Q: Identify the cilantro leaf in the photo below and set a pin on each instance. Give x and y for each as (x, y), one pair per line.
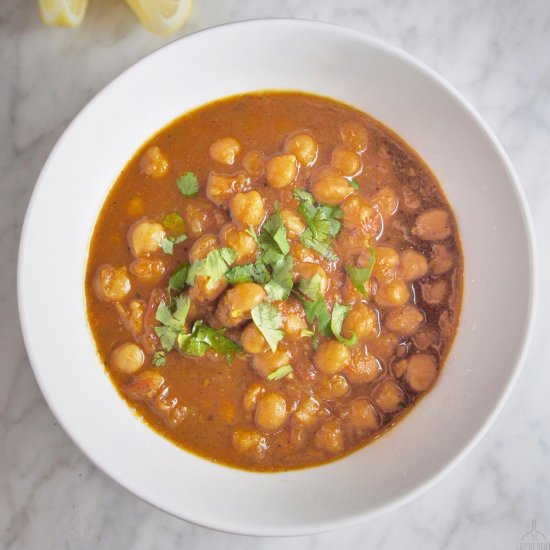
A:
(322, 221)
(354, 183)
(246, 273)
(306, 333)
(281, 283)
(273, 239)
(339, 312)
(188, 184)
(279, 373)
(360, 275)
(173, 221)
(172, 322)
(317, 311)
(269, 321)
(159, 358)
(178, 277)
(167, 244)
(311, 287)
(214, 266)
(202, 338)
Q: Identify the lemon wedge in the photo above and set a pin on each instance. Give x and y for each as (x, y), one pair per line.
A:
(162, 16)
(66, 13)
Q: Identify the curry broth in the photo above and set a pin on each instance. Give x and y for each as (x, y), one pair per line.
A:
(211, 389)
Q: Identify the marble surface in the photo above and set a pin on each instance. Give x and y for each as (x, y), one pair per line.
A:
(497, 53)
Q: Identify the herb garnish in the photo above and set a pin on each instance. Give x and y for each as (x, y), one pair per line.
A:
(172, 321)
(256, 272)
(168, 243)
(279, 373)
(159, 358)
(214, 266)
(202, 338)
(188, 184)
(269, 322)
(360, 275)
(339, 312)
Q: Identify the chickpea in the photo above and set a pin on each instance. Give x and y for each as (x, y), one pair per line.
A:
(363, 367)
(433, 225)
(395, 293)
(308, 412)
(294, 324)
(241, 241)
(386, 202)
(251, 396)
(145, 385)
(385, 264)
(332, 357)
(127, 358)
(237, 303)
(201, 216)
(435, 292)
(205, 290)
(269, 361)
(294, 224)
(389, 396)
(361, 415)
(145, 237)
(443, 260)
(331, 188)
(385, 346)
(358, 214)
(133, 316)
(148, 271)
(111, 284)
(224, 150)
(305, 271)
(153, 163)
(282, 170)
(254, 163)
(332, 387)
(353, 243)
(421, 371)
(405, 320)
(303, 147)
(346, 161)
(361, 320)
(355, 136)
(248, 439)
(330, 437)
(253, 340)
(247, 209)
(412, 265)
(202, 246)
(399, 368)
(271, 412)
(425, 338)
(220, 188)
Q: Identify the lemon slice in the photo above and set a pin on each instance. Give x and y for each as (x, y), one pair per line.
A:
(162, 16)
(66, 13)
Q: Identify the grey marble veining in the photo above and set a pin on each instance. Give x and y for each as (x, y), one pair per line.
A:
(497, 53)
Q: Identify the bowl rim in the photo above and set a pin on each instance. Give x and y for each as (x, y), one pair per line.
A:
(436, 79)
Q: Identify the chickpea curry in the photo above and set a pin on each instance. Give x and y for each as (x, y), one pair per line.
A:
(274, 280)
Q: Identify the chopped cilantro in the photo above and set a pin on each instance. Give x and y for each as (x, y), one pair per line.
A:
(317, 311)
(246, 273)
(178, 277)
(159, 358)
(311, 287)
(322, 221)
(315, 342)
(168, 243)
(360, 275)
(214, 266)
(279, 373)
(306, 333)
(273, 240)
(202, 338)
(171, 322)
(188, 184)
(173, 221)
(269, 321)
(281, 283)
(354, 183)
(339, 312)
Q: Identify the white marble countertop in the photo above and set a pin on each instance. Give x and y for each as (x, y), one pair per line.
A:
(497, 53)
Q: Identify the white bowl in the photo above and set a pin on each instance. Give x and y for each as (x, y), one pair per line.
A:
(400, 92)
